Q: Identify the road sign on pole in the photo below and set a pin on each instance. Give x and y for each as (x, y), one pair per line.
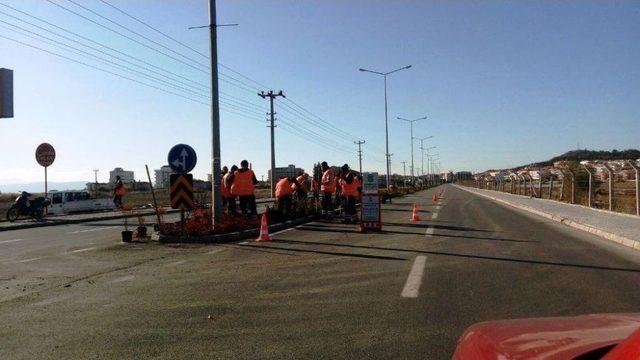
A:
(182, 158)
(45, 156)
(182, 191)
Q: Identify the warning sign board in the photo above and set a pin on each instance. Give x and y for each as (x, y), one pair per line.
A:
(182, 191)
(370, 183)
(370, 215)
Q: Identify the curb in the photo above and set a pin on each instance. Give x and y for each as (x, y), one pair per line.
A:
(230, 237)
(76, 221)
(635, 244)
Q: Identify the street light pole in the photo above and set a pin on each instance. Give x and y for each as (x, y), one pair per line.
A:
(411, 125)
(386, 117)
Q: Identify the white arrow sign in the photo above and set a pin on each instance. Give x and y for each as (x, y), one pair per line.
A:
(183, 154)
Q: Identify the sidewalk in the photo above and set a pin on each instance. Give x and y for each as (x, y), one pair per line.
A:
(621, 228)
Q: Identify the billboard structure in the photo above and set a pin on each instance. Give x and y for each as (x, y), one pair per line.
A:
(6, 93)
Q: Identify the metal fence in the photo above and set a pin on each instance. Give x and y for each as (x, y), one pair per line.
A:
(608, 185)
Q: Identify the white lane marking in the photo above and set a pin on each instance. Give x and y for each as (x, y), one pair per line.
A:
(83, 250)
(282, 231)
(10, 241)
(434, 215)
(52, 300)
(214, 251)
(438, 207)
(30, 260)
(244, 243)
(123, 279)
(91, 230)
(414, 280)
(429, 231)
(176, 263)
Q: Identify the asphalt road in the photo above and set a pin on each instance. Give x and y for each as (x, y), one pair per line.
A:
(323, 290)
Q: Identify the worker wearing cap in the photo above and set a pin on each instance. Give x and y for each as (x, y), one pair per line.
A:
(243, 185)
(327, 187)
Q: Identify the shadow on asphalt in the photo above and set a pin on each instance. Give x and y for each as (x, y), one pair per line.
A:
(365, 256)
(442, 227)
(352, 231)
(407, 210)
(480, 257)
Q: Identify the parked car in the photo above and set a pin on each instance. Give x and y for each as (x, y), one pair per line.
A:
(587, 337)
(65, 202)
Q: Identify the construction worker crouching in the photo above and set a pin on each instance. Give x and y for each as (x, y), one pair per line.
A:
(284, 194)
(327, 187)
(243, 185)
(349, 185)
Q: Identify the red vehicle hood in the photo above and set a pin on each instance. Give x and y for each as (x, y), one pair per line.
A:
(545, 338)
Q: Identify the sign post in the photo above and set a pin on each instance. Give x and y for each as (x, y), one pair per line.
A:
(45, 156)
(370, 208)
(182, 159)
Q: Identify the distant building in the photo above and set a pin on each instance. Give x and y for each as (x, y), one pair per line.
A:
(125, 176)
(162, 176)
(290, 170)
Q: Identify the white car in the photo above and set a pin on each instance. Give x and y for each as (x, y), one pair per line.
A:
(65, 202)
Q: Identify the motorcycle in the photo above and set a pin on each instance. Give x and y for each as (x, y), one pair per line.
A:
(23, 207)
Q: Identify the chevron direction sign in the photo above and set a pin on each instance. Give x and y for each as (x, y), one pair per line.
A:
(182, 191)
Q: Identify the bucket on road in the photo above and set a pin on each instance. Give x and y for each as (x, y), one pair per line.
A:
(127, 236)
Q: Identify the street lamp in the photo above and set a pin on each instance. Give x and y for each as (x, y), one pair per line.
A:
(422, 148)
(411, 123)
(386, 120)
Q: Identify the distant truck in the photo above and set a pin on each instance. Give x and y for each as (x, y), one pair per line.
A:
(66, 202)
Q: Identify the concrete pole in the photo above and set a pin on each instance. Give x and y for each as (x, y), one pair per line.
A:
(610, 171)
(635, 167)
(359, 143)
(216, 199)
(540, 187)
(550, 188)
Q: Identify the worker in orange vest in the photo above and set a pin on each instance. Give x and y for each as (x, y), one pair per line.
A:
(118, 192)
(303, 186)
(284, 193)
(229, 198)
(243, 184)
(349, 185)
(327, 187)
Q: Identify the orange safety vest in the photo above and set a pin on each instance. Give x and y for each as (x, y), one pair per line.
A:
(120, 191)
(242, 183)
(328, 181)
(283, 187)
(302, 182)
(349, 189)
(225, 191)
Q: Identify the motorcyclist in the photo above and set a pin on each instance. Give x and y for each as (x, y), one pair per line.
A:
(23, 200)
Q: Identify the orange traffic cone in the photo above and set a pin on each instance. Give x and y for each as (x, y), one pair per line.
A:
(435, 198)
(264, 230)
(415, 216)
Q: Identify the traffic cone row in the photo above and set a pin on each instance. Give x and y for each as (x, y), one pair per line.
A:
(264, 230)
(416, 215)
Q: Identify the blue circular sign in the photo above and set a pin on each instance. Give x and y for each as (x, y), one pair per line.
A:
(182, 158)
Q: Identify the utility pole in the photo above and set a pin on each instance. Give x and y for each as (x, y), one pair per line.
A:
(95, 173)
(411, 124)
(271, 95)
(359, 143)
(216, 199)
(404, 168)
(389, 167)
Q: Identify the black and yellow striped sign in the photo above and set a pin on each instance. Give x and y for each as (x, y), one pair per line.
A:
(182, 191)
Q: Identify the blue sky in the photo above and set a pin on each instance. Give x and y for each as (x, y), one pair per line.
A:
(503, 83)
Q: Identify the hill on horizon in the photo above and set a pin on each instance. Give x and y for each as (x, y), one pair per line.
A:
(580, 155)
